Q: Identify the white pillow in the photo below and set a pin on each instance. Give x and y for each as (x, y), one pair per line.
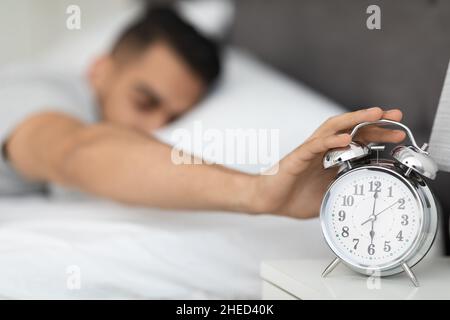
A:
(250, 96)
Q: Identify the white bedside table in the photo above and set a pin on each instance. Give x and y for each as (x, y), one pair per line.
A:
(301, 279)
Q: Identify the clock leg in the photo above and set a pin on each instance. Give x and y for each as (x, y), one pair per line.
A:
(410, 274)
(330, 267)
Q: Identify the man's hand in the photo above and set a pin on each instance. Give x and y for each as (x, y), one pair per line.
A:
(301, 181)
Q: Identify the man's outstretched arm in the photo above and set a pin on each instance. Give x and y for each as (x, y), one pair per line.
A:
(124, 165)
(120, 164)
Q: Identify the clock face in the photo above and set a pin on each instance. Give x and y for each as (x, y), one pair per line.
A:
(371, 218)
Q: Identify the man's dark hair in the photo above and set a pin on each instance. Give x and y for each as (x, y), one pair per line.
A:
(163, 23)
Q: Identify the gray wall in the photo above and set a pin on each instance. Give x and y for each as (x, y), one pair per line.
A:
(326, 45)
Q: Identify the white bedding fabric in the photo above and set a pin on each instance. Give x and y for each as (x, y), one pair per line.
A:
(141, 253)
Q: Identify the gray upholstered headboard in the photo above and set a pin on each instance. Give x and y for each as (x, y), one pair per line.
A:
(326, 45)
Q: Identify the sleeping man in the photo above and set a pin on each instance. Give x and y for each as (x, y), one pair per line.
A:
(94, 134)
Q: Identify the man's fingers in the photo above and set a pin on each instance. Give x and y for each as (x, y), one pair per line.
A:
(348, 120)
(326, 136)
(320, 145)
(299, 159)
(377, 134)
(393, 114)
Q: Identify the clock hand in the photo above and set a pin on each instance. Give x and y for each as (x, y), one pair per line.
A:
(387, 208)
(368, 220)
(375, 197)
(372, 232)
(373, 217)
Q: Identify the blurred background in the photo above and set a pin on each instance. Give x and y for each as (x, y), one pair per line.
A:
(30, 28)
(324, 44)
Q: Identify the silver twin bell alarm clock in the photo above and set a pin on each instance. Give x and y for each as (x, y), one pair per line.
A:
(379, 216)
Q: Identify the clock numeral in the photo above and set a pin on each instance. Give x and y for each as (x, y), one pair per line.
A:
(345, 232)
(390, 195)
(348, 201)
(387, 247)
(371, 249)
(359, 190)
(341, 215)
(356, 241)
(399, 236)
(404, 220)
(401, 204)
(375, 186)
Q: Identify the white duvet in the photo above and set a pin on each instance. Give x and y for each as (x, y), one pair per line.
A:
(91, 250)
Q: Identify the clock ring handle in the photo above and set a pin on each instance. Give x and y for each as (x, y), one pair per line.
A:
(385, 122)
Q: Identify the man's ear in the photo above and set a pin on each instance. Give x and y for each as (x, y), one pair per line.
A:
(100, 72)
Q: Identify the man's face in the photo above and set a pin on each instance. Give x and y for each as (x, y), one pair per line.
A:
(148, 91)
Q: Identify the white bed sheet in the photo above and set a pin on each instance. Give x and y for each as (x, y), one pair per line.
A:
(122, 252)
